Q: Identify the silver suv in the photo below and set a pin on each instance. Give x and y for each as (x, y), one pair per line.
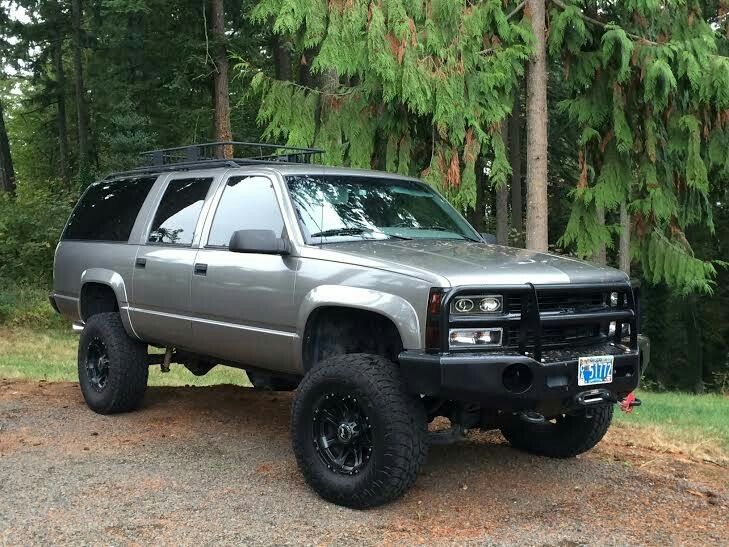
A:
(364, 291)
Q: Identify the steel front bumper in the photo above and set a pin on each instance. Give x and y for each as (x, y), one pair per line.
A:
(489, 378)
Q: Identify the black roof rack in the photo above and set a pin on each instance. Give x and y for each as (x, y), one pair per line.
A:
(211, 154)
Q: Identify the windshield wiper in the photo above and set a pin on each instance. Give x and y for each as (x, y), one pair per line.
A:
(355, 232)
(341, 232)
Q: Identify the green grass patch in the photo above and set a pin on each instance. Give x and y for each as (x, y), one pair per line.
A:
(694, 419)
(30, 354)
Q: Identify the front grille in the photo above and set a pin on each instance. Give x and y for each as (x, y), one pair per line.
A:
(562, 302)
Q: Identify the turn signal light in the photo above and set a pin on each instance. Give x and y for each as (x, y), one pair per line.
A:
(432, 321)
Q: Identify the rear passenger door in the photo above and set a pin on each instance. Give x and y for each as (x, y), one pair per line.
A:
(243, 302)
(163, 267)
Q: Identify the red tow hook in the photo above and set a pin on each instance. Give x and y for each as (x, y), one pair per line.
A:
(630, 402)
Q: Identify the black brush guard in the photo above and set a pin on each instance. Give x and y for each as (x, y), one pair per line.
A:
(531, 321)
(485, 375)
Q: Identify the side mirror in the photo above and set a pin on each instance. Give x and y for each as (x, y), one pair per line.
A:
(259, 242)
(489, 238)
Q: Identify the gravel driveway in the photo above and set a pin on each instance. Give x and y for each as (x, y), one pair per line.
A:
(211, 465)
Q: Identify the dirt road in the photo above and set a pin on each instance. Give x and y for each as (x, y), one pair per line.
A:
(211, 465)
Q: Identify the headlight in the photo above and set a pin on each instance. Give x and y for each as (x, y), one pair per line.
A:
(460, 338)
(490, 304)
(464, 305)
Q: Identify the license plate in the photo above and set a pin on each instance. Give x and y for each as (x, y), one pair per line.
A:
(595, 370)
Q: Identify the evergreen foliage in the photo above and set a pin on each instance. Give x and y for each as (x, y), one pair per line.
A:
(649, 91)
(439, 75)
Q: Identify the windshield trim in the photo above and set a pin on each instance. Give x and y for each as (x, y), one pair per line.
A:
(379, 178)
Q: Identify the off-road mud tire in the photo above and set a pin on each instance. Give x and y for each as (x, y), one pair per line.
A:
(128, 369)
(398, 430)
(565, 438)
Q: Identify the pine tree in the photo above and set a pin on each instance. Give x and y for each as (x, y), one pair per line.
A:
(650, 94)
(428, 83)
(643, 81)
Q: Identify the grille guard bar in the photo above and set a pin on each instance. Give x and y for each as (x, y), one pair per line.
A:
(531, 320)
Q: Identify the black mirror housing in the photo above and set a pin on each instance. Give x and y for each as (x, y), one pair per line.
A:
(258, 242)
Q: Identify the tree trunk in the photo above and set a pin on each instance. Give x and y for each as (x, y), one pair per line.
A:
(281, 58)
(61, 102)
(221, 99)
(480, 208)
(517, 220)
(305, 76)
(82, 110)
(7, 171)
(695, 341)
(624, 248)
(600, 254)
(502, 201)
(537, 236)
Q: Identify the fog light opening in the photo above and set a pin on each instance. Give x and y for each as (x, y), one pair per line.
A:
(517, 378)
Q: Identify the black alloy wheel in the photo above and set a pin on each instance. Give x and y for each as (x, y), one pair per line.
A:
(342, 433)
(97, 364)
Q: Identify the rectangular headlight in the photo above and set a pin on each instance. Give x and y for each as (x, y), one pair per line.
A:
(474, 338)
(477, 304)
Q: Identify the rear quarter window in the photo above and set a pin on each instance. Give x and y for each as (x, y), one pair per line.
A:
(107, 210)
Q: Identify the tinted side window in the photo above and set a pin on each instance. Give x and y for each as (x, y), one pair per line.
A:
(107, 210)
(248, 203)
(177, 214)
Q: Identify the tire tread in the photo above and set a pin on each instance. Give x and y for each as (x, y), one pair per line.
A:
(406, 431)
(129, 369)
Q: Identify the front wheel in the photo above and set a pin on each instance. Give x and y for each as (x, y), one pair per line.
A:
(358, 436)
(564, 437)
(112, 367)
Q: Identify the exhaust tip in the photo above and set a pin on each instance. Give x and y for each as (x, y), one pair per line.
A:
(517, 378)
(77, 327)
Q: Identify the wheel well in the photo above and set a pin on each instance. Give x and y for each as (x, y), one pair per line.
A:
(337, 331)
(97, 298)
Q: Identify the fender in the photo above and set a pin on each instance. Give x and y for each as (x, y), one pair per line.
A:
(395, 308)
(115, 281)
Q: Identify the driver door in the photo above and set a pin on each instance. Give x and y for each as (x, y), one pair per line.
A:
(243, 302)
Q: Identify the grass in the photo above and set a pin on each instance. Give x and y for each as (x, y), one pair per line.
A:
(689, 422)
(693, 420)
(50, 355)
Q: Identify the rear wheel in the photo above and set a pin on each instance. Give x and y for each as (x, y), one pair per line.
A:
(358, 436)
(112, 367)
(564, 437)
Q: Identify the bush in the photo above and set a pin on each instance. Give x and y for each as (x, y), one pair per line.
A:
(30, 225)
(22, 305)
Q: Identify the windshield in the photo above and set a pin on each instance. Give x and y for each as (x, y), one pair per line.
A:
(336, 208)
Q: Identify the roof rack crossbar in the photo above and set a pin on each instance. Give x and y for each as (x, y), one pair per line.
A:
(209, 155)
(214, 151)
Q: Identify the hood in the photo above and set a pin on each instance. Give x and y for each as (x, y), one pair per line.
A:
(471, 263)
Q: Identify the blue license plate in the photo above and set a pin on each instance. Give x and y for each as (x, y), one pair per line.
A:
(595, 370)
